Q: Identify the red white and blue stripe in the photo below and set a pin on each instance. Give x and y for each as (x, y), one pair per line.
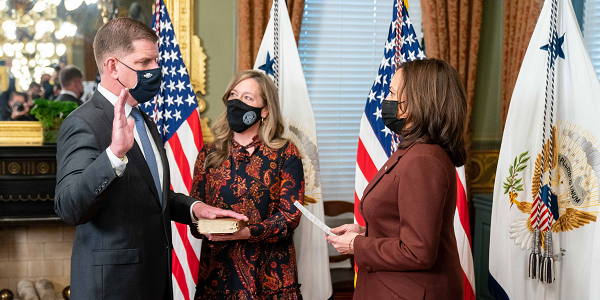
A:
(175, 112)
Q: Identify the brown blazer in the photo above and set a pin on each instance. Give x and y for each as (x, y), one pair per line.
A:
(409, 251)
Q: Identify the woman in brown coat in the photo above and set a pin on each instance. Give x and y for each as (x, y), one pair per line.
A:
(407, 249)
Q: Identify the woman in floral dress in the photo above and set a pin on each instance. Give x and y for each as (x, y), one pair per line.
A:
(250, 169)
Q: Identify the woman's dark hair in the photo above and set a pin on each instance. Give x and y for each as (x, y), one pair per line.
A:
(436, 104)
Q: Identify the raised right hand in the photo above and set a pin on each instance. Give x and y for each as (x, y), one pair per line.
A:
(122, 131)
(354, 228)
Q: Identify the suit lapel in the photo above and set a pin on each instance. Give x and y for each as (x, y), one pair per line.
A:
(108, 110)
(163, 156)
(135, 153)
(384, 169)
(389, 164)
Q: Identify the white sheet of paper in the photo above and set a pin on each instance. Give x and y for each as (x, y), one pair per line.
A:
(313, 219)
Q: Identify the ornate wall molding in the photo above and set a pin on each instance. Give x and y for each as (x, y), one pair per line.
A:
(483, 170)
(27, 183)
(27, 167)
(182, 16)
(37, 197)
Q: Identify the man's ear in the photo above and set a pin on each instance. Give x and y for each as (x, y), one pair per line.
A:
(110, 67)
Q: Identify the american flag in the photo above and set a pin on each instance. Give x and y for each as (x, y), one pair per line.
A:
(376, 143)
(175, 112)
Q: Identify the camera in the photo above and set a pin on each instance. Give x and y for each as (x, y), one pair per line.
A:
(18, 106)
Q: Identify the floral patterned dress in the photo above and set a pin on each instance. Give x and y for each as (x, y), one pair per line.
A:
(263, 186)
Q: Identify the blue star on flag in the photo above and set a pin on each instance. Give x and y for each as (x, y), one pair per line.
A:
(556, 43)
(268, 66)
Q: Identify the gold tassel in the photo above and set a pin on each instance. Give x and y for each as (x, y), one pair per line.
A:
(309, 200)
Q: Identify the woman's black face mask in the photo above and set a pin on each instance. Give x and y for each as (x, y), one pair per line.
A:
(241, 116)
(389, 113)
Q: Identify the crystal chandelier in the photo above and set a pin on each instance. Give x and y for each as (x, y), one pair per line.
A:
(33, 36)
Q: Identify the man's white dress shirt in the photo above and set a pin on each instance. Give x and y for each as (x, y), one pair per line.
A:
(117, 164)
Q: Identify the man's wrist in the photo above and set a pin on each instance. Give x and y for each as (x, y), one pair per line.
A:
(118, 164)
(195, 218)
(120, 155)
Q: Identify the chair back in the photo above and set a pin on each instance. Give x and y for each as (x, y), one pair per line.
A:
(336, 208)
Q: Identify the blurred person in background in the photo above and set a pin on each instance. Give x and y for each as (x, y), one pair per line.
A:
(56, 89)
(47, 86)
(5, 95)
(34, 92)
(51, 82)
(71, 81)
(19, 109)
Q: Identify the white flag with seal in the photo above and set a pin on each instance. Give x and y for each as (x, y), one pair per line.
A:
(544, 240)
(311, 247)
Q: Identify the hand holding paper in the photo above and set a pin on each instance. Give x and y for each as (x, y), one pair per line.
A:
(344, 244)
(349, 228)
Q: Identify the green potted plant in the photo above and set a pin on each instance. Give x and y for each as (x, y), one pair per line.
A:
(51, 114)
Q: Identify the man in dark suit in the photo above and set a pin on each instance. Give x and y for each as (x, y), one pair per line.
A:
(113, 177)
(49, 82)
(5, 108)
(71, 81)
(47, 86)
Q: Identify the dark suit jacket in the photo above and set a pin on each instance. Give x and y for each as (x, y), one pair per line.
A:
(122, 247)
(67, 97)
(48, 90)
(409, 251)
(5, 110)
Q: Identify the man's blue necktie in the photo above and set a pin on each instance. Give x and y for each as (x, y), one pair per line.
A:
(148, 152)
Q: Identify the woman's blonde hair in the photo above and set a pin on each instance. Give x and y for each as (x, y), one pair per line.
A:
(271, 129)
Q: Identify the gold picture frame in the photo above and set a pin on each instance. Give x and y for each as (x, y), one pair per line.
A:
(182, 16)
(21, 133)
